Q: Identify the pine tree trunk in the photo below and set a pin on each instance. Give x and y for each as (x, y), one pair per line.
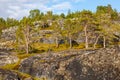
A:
(86, 37)
(70, 43)
(57, 44)
(96, 41)
(26, 46)
(27, 39)
(104, 41)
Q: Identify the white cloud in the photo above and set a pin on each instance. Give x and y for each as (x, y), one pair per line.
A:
(62, 6)
(78, 1)
(19, 8)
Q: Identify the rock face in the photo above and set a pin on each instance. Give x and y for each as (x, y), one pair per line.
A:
(8, 75)
(12, 75)
(7, 58)
(102, 64)
(8, 38)
(9, 34)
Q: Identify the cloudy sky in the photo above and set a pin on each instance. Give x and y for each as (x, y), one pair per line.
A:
(19, 8)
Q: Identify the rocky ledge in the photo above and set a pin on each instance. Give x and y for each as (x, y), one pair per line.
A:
(12, 75)
(101, 64)
(7, 58)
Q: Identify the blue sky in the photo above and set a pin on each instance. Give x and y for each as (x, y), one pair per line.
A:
(19, 8)
(91, 5)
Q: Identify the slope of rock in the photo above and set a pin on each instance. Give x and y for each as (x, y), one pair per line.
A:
(7, 58)
(8, 75)
(13, 75)
(102, 64)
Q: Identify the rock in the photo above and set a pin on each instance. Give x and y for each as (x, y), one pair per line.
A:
(102, 64)
(12, 75)
(8, 75)
(47, 40)
(28, 78)
(7, 58)
(9, 33)
(46, 31)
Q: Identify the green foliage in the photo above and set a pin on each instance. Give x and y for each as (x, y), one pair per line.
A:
(69, 14)
(10, 22)
(2, 24)
(35, 15)
(106, 17)
(62, 15)
(104, 22)
(86, 17)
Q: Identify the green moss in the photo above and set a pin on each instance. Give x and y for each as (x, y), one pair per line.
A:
(13, 66)
(41, 47)
(42, 61)
(98, 46)
(60, 48)
(43, 78)
(80, 46)
(22, 75)
(22, 56)
(48, 35)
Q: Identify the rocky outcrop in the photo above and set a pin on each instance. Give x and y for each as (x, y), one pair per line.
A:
(7, 58)
(102, 64)
(8, 75)
(8, 38)
(12, 75)
(9, 33)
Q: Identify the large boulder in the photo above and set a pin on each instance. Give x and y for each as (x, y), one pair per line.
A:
(102, 64)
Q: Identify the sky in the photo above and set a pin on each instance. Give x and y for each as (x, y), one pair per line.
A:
(19, 8)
